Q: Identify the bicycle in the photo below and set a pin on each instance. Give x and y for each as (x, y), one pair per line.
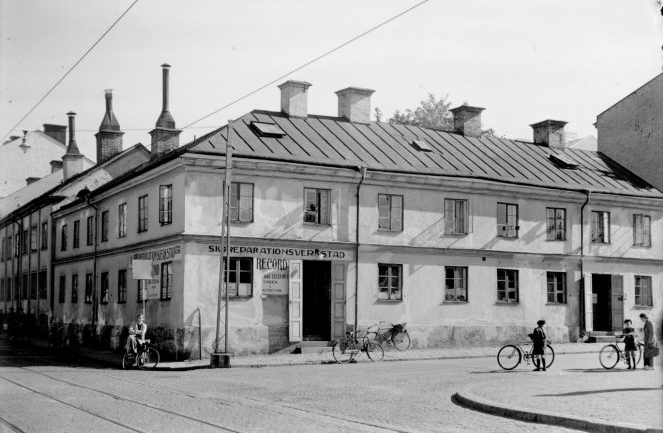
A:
(146, 358)
(610, 354)
(346, 350)
(393, 335)
(511, 355)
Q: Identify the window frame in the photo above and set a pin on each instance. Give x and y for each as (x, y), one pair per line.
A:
(63, 237)
(503, 230)
(74, 288)
(143, 213)
(166, 269)
(389, 288)
(122, 220)
(62, 289)
(166, 205)
(455, 297)
(315, 216)
(76, 243)
(507, 289)
(390, 213)
(105, 220)
(44, 235)
(558, 286)
(104, 291)
(89, 285)
(638, 288)
(236, 202)
(553, 235)
(452, 216)
(34, 230)
(121, 286)
(236, 269)
(643, 239)
(89, 233)
(598, 228)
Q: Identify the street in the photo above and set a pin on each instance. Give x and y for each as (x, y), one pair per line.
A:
(42, 393)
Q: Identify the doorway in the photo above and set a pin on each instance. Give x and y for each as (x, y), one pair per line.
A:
(608, 302)
(316, 314)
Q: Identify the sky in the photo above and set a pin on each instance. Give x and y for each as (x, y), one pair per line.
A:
(523, 60)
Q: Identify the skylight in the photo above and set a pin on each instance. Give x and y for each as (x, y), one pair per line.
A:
(421, 145)
(267, 129)
(563, 161)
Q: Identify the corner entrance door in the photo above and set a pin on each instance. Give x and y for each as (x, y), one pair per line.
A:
(316, 284)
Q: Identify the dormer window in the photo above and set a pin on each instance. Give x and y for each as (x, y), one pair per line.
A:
(563, 161)
(267, 129)
(421, 145)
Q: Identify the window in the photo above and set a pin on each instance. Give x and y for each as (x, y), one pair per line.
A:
(89, 282)
(90, 231)
(33, 285)
(74, 289)
(601, 227)
(121, 286)
(240, 278)
(142, 213)
(642, 230)
(77, 234)
(9, 289)
(165, 204)
(2, 249)
(455, 283)
(44, 235)
(26, 242)
(122, 220)
(507, 285)
(63, 238)
(2, 290)
(104, 288)
(241, 202)
(33, 238)
(17, 245)
(104, 226)
(389, 282)
(267, 129)
(24, 286)
(43, 284)
(62, 289)
(555, 224)
(556, 287)
(390, 212)
(166, 280)
(507, 220)
(455, 217)
(643, 295)
(316, 206)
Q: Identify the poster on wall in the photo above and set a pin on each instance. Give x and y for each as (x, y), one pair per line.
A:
(275, 278)
(156, 257)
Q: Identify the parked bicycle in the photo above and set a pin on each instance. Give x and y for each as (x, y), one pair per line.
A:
(347, 349)
(610, 354)
(146, 358)
(389, 334)
(511, 355)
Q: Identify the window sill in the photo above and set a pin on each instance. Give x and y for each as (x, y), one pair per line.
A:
(555, 240)
(643, 307)
(456, 235)
(507, 237)
(122, 302)
(389, 230)
(455, 302)
(644, 247)
(515, 304)
(390, 301)
(239, 298)
(559, 304)
(315, 224)
(165, 223)
(164, 299)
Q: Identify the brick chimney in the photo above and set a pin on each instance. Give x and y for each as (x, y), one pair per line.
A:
(165, 137)
(354, 104)
(467, 120)
(56, 165)
(550, 133)
(72, 161)
(57, 132)
(109, 137)
(294, 98)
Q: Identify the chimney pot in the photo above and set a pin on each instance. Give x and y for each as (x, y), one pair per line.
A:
(354, 104)
(294, 98)
(549, 133)
(165, 137)
(56, 165)
(467, 120)
(109, 137)
(73, 162)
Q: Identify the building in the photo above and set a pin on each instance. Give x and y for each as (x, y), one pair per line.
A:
(340, 222)
(631, 131)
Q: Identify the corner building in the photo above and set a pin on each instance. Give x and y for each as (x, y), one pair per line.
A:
(339, 222)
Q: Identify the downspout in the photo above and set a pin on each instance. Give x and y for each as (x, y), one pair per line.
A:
(95, 313)
(581, 302)
(362, 171)
(38, 246)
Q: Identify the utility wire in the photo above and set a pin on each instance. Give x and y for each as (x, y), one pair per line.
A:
(309, 62)
(70, 69)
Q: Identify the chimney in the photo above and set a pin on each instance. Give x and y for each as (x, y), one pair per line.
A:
(467, 120)
(56, 132)
(549, 133)
(294, 99)
(354, 104)
(109, 137)
(30, 180)
(72, 161)
(56, 165)
(165, 137)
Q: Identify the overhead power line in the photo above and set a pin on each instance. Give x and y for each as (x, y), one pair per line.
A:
(372, 29)
(70, 69)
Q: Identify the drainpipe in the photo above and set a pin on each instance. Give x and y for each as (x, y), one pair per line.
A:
(95, 313)
(583, 325)
(362, 171)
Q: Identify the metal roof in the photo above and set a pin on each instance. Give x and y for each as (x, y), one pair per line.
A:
(387, 147)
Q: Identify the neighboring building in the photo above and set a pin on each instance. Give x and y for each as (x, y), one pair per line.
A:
(584, 143)
(26, 236)
(340, 222)
(631, 132)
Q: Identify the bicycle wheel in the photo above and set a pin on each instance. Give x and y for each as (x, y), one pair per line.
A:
(148, 358)
(374, 351)
(609, 356)
(374, 336)
(508, 357)
(127, 361)
(402, 340)
(343, 352)
(549, 354)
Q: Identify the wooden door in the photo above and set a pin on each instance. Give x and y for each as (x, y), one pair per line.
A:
(295, 308)
(589, 303)
(617, 293)
(338, 301)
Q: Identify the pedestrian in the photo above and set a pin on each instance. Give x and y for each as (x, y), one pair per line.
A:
(630, 348)
(651, 346)
(538, 337)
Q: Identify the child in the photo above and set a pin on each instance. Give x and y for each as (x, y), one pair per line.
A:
(630, 348)
(539, 340)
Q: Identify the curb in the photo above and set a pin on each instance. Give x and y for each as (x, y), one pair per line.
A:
(477, 403)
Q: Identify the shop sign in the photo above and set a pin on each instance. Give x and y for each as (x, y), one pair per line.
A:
(275, 283)
(286, 253)
(157, 257)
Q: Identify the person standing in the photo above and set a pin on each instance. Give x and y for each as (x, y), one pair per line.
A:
(651, 347)
(539, 341)
(630, 348)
